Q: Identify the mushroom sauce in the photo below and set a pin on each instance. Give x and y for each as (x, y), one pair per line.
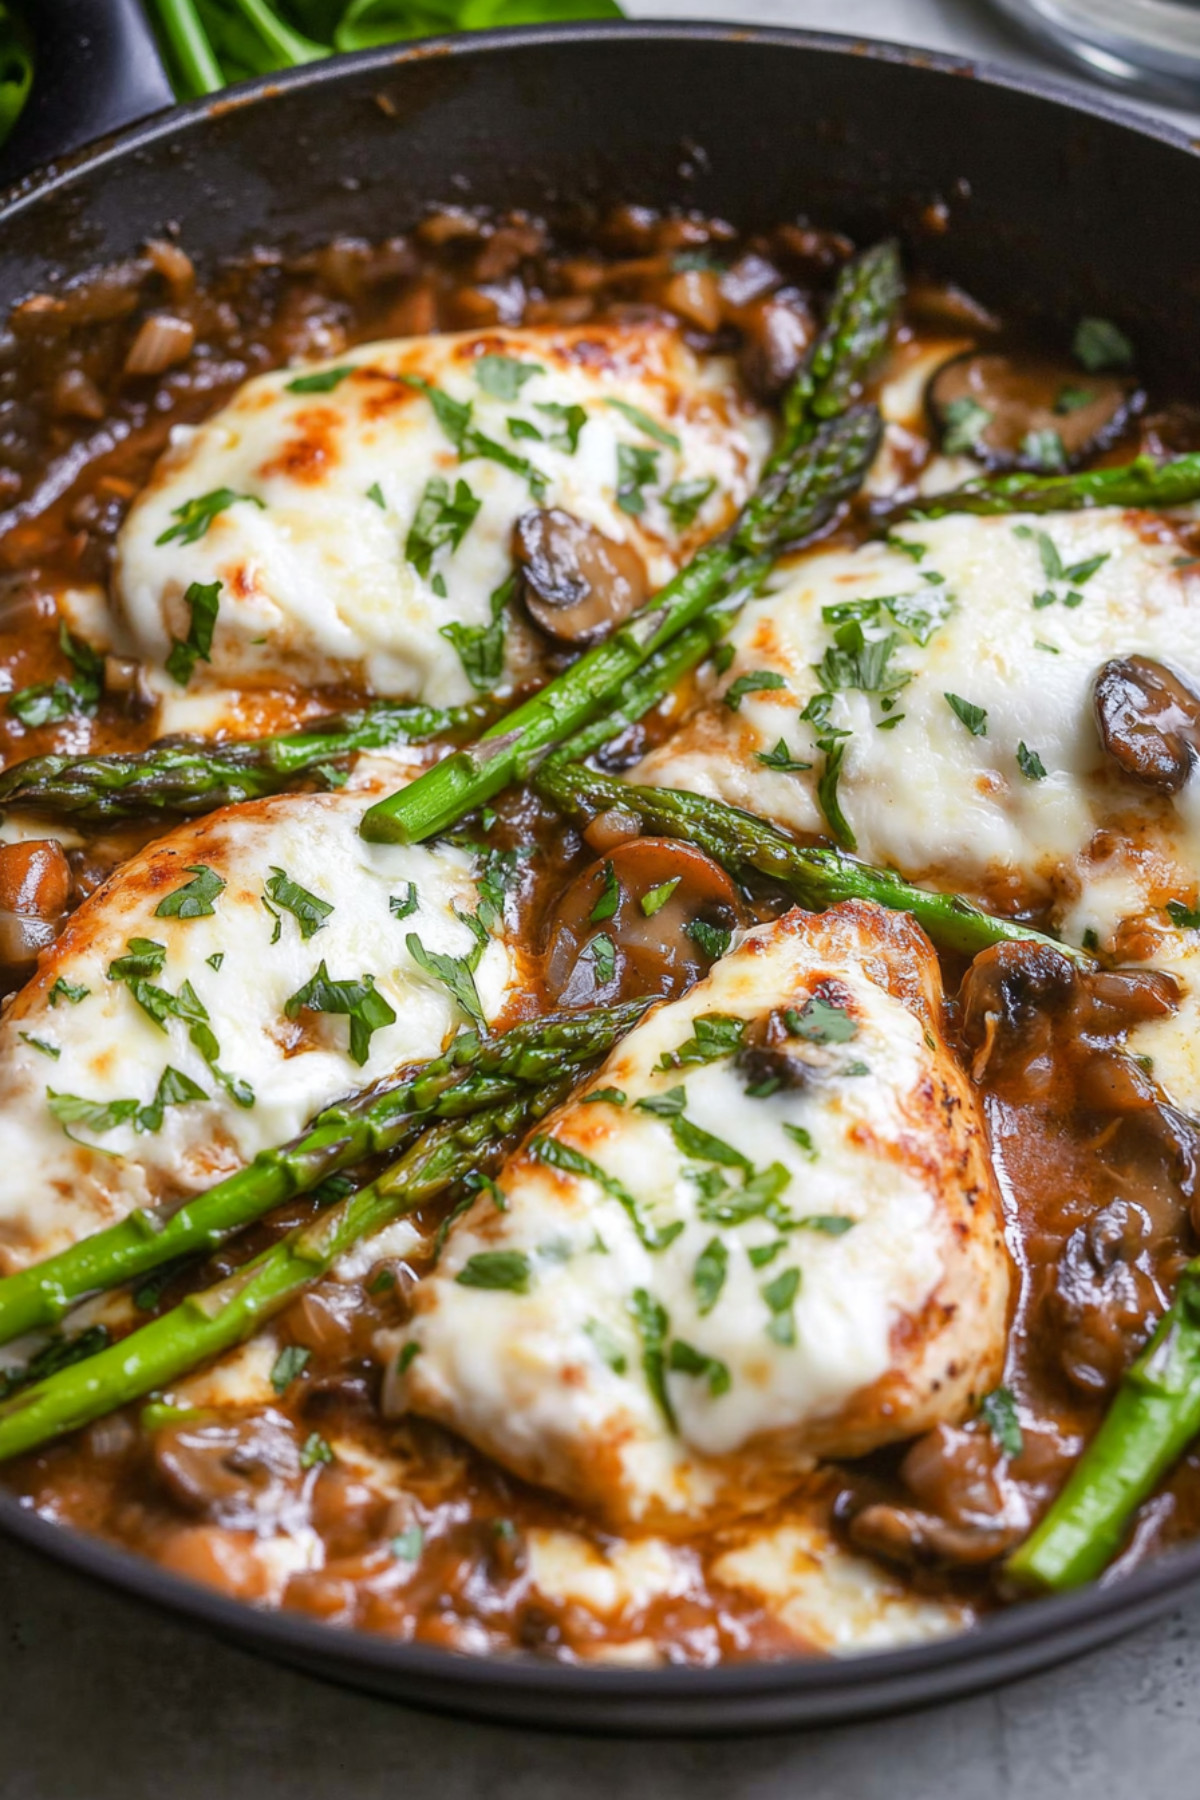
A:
(282, 1477)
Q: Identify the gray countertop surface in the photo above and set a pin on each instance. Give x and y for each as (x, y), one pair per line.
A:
(101, 1699)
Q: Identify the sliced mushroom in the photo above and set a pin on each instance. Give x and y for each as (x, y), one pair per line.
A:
(1149, 721)
(650, 918)
(916, 1539)
(1028, 412)
(577, 585)
(243, 1474)
(35, 892)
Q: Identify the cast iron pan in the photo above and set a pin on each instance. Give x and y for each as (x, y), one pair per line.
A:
(1040, 203)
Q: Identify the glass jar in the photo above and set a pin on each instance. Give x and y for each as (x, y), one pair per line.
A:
(1151, 46)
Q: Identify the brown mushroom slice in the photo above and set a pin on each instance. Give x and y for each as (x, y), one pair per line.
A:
(576, 584)
(1027, 411)
(35, 892)
(651, 918)
(1149, 721)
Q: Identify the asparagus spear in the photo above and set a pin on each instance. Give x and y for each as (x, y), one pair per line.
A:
(788, 505)
(190, 776)
(207, 1323)
(744, 844)
(861, 315)
(471, 1075)
(1154, 1417)
(1142, 482)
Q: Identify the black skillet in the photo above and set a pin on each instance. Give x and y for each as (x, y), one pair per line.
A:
(1042, 204)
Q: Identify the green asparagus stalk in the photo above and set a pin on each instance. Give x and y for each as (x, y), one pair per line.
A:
(190, 777)
(1153, 1419)
(862, 312)
(471, 1075)
(1141, 483)
(208, 1323)
(788, 505)
(745, 845)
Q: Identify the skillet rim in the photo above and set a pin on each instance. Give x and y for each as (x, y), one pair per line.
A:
(1017, 1641)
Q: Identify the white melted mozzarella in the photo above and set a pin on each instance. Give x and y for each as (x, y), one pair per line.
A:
(77, 1032)
(836, 1321)
(316, 585)
(938, 798)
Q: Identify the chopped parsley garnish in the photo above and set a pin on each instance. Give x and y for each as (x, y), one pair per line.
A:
(194, 900)
(827, 792)
(456, 973)
(610, 897)
(59, 1353)
(1073, 399)
(693, 1140)
(645, 423)
(174, 1089)
(708, 1275)
(683, 500)
(800, 1135)
(359, 1001)
(657, 897)
(569, 1161)
(907, 547)
(508, 1270)
(782, 759)
(36, 1043)
(831, 1224)
(568, 422)
(611, 1096)
(780, 1296)
(650, 1317)
(454, 417)
(287, 1366)
(93, 1115)
(196, 515)
(498, 878)
(820, 1022)
(441, 518)
(142, 958)
(762, 1254)
(1186, 917)
(711, 940)
(67, 990)
(375, 493)
(1099, 344)
(714, 1035)
(321, 381)
(1030, 763)
(407, 1545)
(757, 681)
(315, 1450)
(636, 470)
(684, 1359)
(407, 1357)
(203, 600)
(481, 647)
(503, 376)
(758, 1197)
(603, 953)
(854, 660)
(999, 1409)
(972, 716)
(1050, 649)
(311, 914)
(665, 1106)
(1044, 449)
(606, 1345)
(47, 702)
(404, 906)
(966, 422)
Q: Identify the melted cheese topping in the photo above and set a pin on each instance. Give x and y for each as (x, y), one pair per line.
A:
(836, 1323)
(316, 582)
(76, 1031)
(940, 798)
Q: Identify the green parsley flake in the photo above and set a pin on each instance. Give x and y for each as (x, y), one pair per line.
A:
(999, 1409)
(194, 900)
(820, 1022)
(966, 422)
(1099, 344)
(314, 1451)
(440, 519)
(610, 897)
(456, 973)
(1044, 450)
(287, 1365)
(711, 940)
(67, 990)
(610, 1096)
(683, 500)
(757, 681)
(196, 515)
(606, 1345)
(203, 600)
(36, 1043)
(636, 470)
(781, 758)
(359, 1001)
(780, 1296)
(654, 901)
(650, 1317)
(481, 647)
(312, 915)
(404, 906)
(973, 717)
(708, 1275)
(645, 423)
(503, 1270)
(321, 381)
(683, 1359)
(1030, 763)
(503, 376)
